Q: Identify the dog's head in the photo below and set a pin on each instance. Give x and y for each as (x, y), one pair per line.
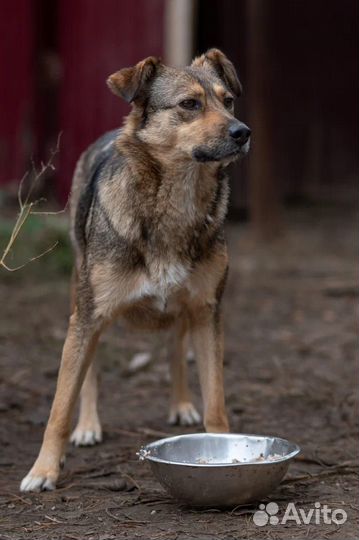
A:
(189, 111)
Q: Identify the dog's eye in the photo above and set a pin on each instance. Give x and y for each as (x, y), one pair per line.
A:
(190, 104)
(228, 102)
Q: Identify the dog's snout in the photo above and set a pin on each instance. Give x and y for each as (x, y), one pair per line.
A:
(239, 131)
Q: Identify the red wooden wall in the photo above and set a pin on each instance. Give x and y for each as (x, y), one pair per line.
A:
(55, 58)
(16, 60)
(96, 39)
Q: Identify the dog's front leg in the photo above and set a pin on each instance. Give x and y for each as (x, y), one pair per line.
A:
(79, 346)
(182, 411)
(207, 335)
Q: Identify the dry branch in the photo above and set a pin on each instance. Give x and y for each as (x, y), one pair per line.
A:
(27, 209)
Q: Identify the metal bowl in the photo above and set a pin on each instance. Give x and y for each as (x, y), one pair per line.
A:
(207, 469)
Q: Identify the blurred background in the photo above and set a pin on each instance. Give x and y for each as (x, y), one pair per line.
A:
(291, 301)
(296, 59)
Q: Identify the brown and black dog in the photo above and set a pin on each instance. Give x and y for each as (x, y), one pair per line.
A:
(147, 210)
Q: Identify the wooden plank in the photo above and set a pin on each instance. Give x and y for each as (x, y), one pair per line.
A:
(96, 39)
(265, 200)
(16, 54)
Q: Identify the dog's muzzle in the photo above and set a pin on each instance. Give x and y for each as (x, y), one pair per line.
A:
(234, 145)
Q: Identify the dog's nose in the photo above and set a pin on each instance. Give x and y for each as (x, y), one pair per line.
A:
(239, 131)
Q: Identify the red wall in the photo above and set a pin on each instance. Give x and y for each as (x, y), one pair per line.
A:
(96, 39)
(55, 58)
(16, 60)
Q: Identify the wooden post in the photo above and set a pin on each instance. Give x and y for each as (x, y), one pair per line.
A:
(178, 46)
(264, 192)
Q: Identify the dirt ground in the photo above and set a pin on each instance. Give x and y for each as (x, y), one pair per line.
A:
(290, 366)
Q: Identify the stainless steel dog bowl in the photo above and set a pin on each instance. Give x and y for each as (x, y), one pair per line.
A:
(206, 469)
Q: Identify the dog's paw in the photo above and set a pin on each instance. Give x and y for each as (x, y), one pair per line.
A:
(39, 481)
(184, 414)
(86, 435)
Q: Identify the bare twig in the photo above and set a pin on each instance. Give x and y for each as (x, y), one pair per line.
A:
(17, 497)
(55, 520)
(26, 209)
(130, 520)
(342, 469)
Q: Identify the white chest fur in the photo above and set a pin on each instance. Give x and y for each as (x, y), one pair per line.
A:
(111, 290)
(163, 278)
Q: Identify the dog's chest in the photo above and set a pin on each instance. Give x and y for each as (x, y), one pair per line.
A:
(162, 279)
(157, 285)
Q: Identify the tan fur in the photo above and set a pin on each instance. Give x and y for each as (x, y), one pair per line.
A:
(148, 244)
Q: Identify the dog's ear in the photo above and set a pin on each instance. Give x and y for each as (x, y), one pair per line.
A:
(224, 68)
(131, 83)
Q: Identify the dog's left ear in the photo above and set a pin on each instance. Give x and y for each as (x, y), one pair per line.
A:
(223, 67)
(131, 83)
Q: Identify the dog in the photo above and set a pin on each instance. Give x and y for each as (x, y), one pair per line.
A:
(147, 210)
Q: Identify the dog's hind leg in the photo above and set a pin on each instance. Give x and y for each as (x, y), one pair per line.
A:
(88, 429)
(77, 354)
(182, 411)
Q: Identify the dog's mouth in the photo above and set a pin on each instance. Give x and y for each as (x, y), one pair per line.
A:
(222, 152)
